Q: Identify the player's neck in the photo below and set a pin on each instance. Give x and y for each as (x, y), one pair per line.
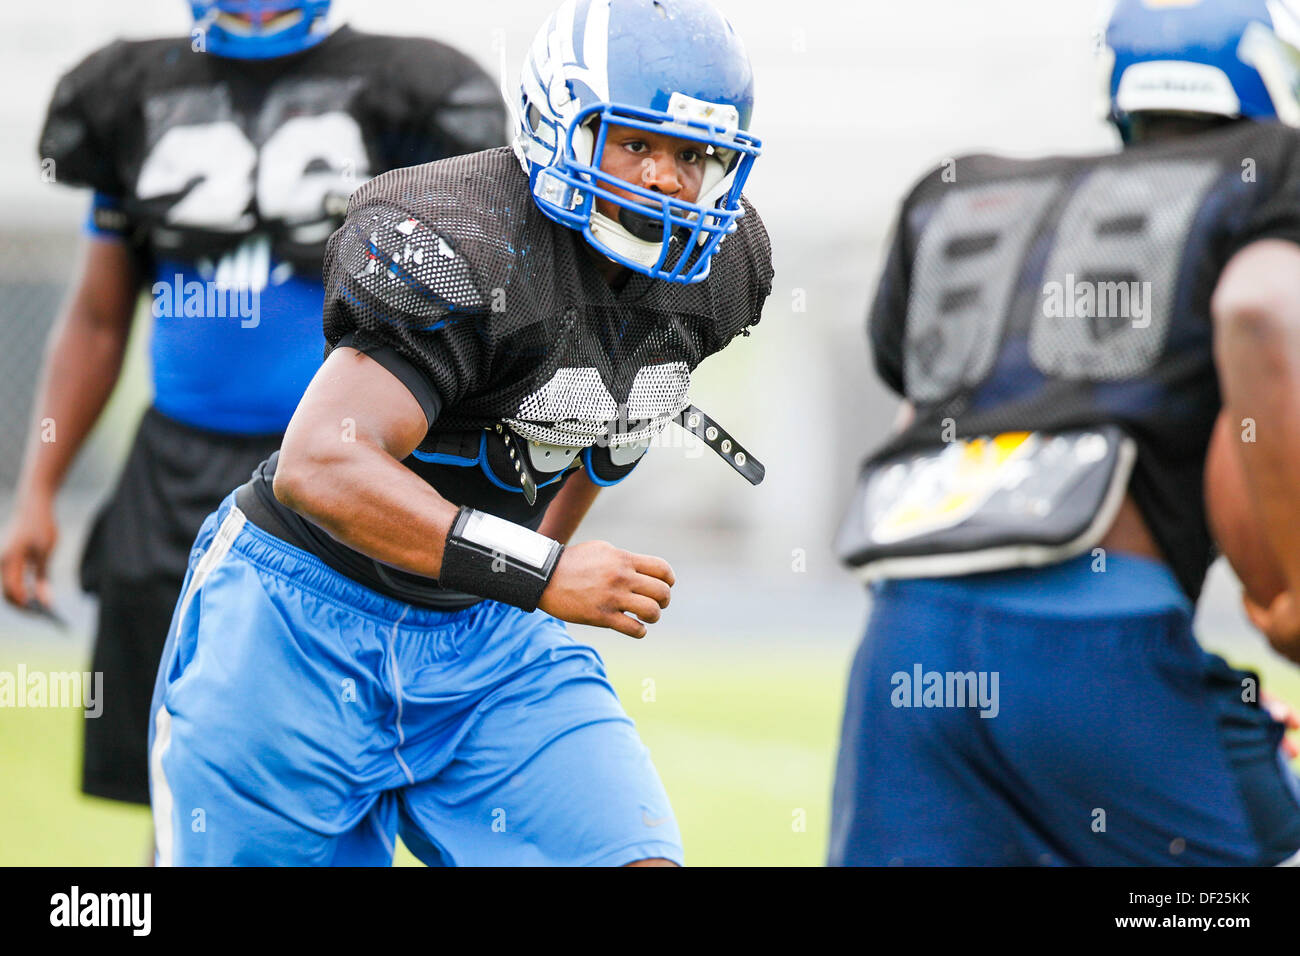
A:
(613, 273)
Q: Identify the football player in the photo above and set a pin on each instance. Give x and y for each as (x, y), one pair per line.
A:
(220, 163)
(1029, 690)
(371, 637)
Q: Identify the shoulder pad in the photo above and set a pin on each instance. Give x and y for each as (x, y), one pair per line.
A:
(477, 205)
(84, 125)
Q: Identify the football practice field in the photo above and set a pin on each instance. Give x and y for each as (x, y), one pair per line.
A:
(743, 735)
(744, 740)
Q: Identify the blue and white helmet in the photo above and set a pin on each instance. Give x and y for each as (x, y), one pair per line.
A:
(675, 67)
(1231, 58)
(272, 28)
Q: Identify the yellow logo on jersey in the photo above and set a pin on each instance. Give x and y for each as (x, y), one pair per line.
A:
(944, 491)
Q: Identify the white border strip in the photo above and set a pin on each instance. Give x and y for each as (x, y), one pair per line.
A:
(397, 693)
(161, 792)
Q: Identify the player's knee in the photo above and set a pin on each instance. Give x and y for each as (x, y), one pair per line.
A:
(654, 861)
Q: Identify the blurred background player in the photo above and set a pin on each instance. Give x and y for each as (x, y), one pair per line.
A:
(370, 638)
(1029, 689)
(220, 164)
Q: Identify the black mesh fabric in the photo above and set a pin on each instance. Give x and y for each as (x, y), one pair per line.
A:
(981, 317)
(453, 265)
(413, 100)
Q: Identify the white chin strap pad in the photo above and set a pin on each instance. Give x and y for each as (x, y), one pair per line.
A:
(584, 144)
(617, 239)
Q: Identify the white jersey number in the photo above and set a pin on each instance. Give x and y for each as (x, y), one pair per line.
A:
(220, 172)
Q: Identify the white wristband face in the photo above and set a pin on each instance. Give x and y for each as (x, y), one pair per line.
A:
(514, 541)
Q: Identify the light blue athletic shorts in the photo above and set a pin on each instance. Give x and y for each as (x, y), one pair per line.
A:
(302, 719)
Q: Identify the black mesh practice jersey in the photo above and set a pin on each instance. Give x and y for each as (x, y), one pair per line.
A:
(204, 150)
(1071, 292)
(450, 276)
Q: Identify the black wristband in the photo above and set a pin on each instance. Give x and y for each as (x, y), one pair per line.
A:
(498, 560)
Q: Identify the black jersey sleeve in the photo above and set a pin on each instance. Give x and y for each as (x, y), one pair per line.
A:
(887, 318)
(393, 282)
(81, 136)
(470, 116)
(416, 382)
(1278, 215)
(438, 103)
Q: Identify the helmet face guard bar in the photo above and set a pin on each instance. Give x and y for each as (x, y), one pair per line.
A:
(694, 229)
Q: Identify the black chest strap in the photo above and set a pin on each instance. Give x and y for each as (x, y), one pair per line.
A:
(716, 437)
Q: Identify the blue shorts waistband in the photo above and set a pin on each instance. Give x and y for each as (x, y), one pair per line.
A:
(308, 572)
(1113, 584)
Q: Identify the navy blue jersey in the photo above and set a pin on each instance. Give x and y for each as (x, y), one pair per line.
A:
(1073, 292)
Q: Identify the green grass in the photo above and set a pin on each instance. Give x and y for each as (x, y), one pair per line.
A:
(740, 746)
(745, 744)
(743, 738)
(44, 818)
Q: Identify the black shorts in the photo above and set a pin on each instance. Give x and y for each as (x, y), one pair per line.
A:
(135, 561)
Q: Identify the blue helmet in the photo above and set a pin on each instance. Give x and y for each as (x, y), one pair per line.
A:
(1232, 58)
(673, 67)
(272, 28)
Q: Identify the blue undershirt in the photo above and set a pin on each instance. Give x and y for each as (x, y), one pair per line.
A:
(234, 342)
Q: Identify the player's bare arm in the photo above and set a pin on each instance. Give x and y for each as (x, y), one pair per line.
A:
(354, 485)
(82, 364)
(1257, 350)
(359, 491)
(569, 508)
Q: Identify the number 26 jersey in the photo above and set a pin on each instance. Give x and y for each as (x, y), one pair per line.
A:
(234, 173)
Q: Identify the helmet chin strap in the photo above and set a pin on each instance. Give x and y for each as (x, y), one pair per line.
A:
(622, 241)
(645, 228)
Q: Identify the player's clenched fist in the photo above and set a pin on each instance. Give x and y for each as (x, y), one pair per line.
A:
(596, 583)
(27, 544)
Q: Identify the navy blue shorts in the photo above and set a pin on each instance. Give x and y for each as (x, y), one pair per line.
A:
(300, 718)
(1055, 716)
